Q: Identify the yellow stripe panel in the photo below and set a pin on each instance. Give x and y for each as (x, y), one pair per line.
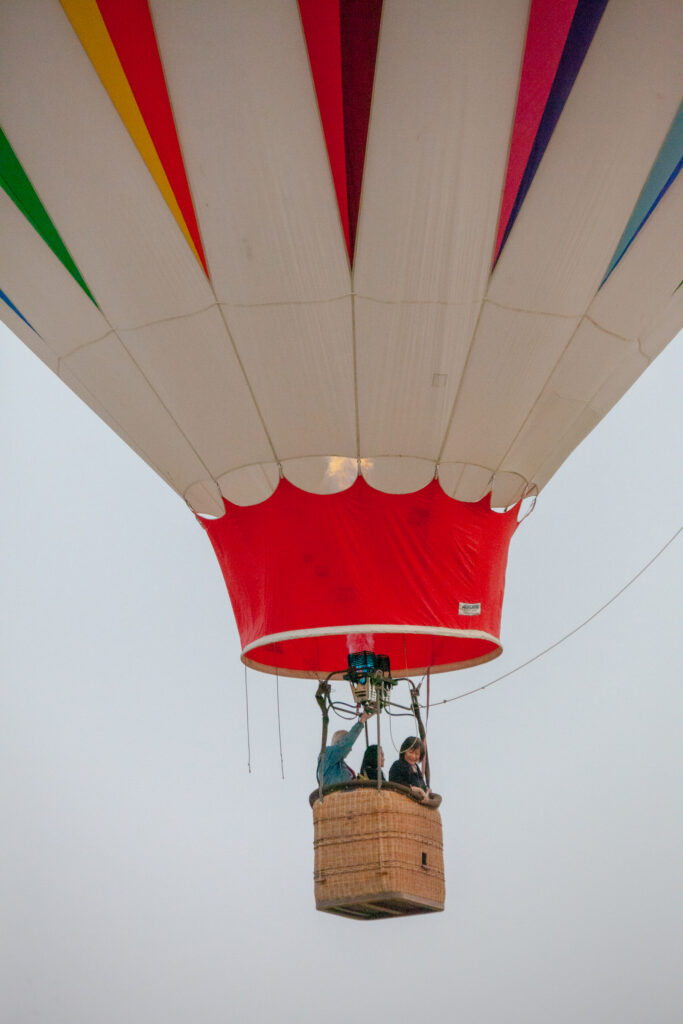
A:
(90, 28)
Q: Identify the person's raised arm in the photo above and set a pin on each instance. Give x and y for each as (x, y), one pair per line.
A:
(341, 749)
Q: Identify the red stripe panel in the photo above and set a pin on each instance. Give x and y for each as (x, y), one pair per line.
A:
(129, 24)
(549, 23)
(320, 20)
(360, 21)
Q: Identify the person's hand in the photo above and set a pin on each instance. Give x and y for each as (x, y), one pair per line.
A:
(419, 792)
(366, 714)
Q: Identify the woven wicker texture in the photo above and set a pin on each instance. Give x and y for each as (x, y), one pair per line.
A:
(377, 853)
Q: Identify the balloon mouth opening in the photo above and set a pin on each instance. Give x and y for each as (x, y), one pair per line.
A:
(313, 654)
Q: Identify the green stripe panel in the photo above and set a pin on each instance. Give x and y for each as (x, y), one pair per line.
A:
(16, 184)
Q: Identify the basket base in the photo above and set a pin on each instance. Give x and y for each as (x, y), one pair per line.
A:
(382, 904)
(378, 853)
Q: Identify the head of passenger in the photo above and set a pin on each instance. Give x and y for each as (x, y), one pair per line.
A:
(412, 750)
(338, 736)
(372, 762)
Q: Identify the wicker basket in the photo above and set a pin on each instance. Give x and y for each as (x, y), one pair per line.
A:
(378, 853)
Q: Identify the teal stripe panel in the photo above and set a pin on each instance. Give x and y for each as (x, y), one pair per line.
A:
(665, 168)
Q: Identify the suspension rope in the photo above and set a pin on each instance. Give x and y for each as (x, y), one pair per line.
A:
(391, 736)
(279, 729)
(571, 633)
(246, 701)
(322, 696)
(426, 757)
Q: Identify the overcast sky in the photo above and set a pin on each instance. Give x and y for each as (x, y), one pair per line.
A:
(147, 876)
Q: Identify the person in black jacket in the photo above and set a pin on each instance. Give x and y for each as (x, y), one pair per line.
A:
(406, 771)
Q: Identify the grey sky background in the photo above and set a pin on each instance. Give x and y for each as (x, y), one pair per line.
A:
(146, 876)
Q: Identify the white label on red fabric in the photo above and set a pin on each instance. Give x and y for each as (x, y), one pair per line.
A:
(469, 609)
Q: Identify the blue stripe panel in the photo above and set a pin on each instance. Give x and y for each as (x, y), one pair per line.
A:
(15, 310)
(583, 27)
(664, 171)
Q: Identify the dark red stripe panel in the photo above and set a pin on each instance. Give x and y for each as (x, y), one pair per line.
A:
(359, 35)
(341, 36)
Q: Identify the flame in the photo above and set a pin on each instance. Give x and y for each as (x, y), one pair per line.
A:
(359, 642)
(343, 470)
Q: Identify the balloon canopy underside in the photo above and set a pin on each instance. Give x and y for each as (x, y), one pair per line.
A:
(311, 239)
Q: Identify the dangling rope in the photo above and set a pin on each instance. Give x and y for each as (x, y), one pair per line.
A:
(279, 730)
(571, 633)
(246, 700)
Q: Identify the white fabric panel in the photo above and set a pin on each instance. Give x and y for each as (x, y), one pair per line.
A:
(299, 362)
(191, 364)
(399, 475)
(551, 418)
(86, 395)
(576, 433)
(592, 358)
(205, 498)
(247, 115)
(410, 358)
(665, 326)
(85, 168)
(618, 364)
(108, 371)
(250, 485)
(648, 274)
(321, 474)
(608, 395)
(442, 110)
(43, 289)
(507, 490)
(512, 357)
(465, 482)
(596, 163)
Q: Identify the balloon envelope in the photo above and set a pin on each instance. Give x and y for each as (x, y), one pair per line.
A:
(311, 241)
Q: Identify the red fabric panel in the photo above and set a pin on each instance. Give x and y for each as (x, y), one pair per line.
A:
(320, 20)
(360, 21)
(308, 561)
(129, 24)
(549, 23)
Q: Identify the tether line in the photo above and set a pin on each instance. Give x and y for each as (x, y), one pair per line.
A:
(498, 679)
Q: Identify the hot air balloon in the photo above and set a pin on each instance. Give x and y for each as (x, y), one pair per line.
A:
(354, 277)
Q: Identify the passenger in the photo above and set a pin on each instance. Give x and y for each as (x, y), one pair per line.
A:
(370, 766)
(335, 768)
(406, 771)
